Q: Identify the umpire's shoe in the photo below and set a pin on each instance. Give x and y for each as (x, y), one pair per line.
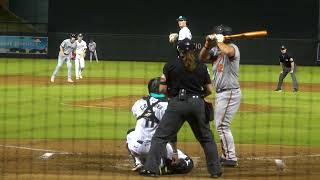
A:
(278, 90)
(148, 173)
(228, 163)
(216, 175)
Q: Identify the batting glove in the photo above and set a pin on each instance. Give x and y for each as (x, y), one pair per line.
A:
(219, 37)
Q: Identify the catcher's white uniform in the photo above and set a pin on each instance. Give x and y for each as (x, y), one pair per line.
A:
(79, 61)
(148, 112)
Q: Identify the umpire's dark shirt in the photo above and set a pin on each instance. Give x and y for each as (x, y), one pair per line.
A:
(285, 59)
(178, 77)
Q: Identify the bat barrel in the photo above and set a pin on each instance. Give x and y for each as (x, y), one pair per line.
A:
(248, 35)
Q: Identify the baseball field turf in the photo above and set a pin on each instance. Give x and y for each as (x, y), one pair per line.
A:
(32, 109)
(83, 125)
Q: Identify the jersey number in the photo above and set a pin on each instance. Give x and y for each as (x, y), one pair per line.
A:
(149, 124)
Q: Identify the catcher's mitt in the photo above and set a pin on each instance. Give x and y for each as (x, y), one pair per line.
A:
(173, 37)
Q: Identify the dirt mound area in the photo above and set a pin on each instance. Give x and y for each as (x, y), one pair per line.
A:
(126, 102)
(108, 159)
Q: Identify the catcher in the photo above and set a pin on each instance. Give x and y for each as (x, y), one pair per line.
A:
(149, 112)
(80, 54)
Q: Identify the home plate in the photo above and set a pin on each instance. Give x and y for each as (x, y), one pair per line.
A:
(46, 156)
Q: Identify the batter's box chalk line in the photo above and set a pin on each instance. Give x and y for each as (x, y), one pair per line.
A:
(48, 152)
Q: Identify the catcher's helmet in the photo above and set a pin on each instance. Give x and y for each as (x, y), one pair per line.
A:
(185, 45)
(222, 29)
(153, 85)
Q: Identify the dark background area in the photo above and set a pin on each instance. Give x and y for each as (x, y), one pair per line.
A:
(138, 30)
(283, 18)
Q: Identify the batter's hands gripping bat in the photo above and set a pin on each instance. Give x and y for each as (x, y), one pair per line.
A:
(252, 34)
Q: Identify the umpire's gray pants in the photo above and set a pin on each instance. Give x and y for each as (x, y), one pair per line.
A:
(61, 59)
(293, 77)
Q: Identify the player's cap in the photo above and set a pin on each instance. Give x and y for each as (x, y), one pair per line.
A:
(283, 47)
(185, 45)
(181, 18)
(72, 35)
(80, 35)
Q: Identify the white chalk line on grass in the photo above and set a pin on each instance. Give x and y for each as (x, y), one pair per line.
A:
(48, 152)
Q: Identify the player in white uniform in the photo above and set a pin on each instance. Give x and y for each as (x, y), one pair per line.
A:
(93, 50)
(67, 47)
(149, 112)
(184, 30)
(80, 54)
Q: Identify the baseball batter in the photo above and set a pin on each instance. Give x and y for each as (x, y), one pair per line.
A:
(93, 50)
(225, 57)
(66, 48)
(80, 54)
(149, 111)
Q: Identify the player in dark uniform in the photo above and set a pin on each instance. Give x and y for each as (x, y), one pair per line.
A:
(187, 82)
(287, 65)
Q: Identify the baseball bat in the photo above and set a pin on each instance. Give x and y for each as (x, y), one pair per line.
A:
(252, 34)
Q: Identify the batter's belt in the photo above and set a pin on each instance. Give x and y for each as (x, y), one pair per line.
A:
(226, 89)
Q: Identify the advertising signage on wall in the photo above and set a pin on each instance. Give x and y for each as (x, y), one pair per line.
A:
(23, 45)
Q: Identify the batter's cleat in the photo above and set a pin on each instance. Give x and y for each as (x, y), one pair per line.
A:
(278, 90)
(137, 167)
(147, 173)
(70, 80)
(295, 90)
(229, 163)
(52, 79)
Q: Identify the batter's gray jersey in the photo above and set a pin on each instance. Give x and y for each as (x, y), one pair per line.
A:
(92, 46)
(225, 70)
(68, 47)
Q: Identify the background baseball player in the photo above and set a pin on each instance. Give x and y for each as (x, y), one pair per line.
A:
(80, 54)
(287, 65)
(225, 57)
(66, 48)
(93, 50)
(183, 33)
(149, 112)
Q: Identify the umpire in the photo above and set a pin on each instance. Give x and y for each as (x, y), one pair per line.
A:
(287, 65)
(187, 82)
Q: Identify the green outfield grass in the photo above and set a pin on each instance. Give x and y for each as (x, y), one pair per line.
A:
(39, 111)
